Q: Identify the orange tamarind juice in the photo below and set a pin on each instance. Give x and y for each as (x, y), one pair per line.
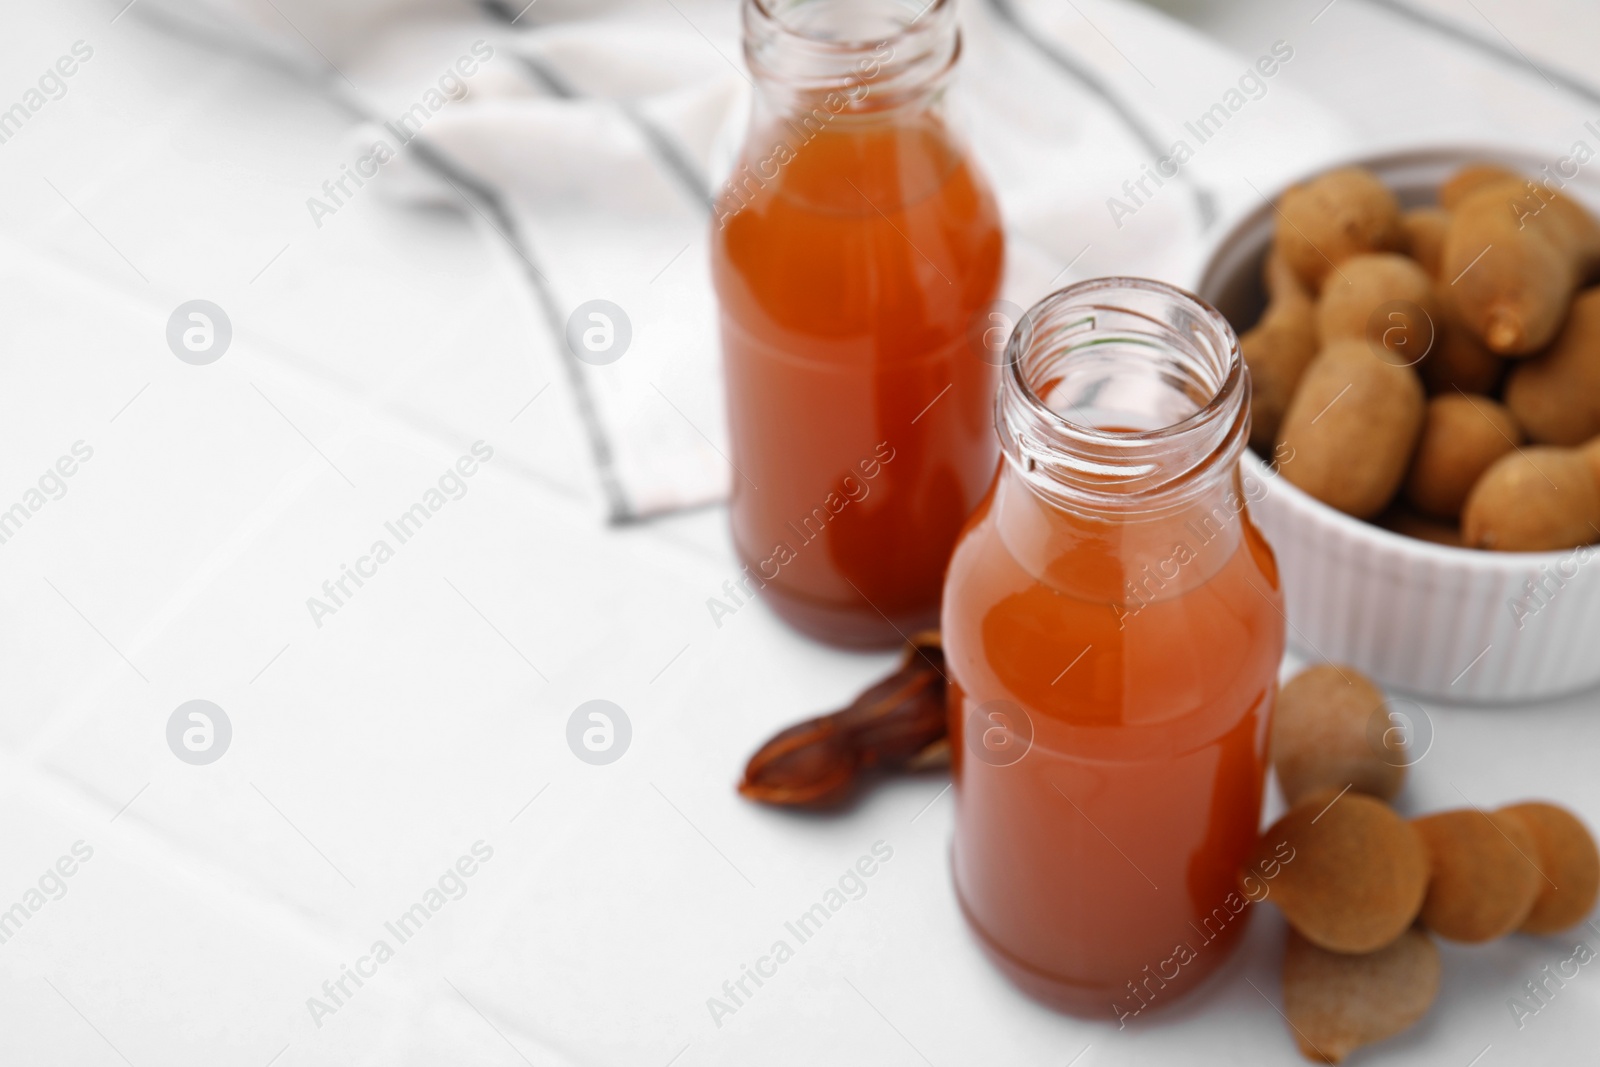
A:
(854, 249)
(1112, 628)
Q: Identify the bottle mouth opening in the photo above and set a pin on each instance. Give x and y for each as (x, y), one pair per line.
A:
(852, 25)
(874, 54)
(1122, 385)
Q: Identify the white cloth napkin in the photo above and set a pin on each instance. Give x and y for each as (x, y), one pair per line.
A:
(605, 128)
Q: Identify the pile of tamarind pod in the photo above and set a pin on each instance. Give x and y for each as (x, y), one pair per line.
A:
(1435, 370)
(1365, 891)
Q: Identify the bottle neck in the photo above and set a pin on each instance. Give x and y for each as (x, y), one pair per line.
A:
(1122, 412)
(850, 58)
(1123, 399)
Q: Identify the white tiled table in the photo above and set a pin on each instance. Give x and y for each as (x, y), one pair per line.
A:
(428, 713)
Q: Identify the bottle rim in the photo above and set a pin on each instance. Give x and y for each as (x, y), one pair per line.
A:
(1060, 454)
(767, 10)
(873, 72)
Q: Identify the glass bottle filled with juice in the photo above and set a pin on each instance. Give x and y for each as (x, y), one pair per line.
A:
(1112, 627)
(855, 251)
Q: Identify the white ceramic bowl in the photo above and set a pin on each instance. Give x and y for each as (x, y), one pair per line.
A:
(1449, 623)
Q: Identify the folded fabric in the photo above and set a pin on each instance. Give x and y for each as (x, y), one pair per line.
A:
(606, 129)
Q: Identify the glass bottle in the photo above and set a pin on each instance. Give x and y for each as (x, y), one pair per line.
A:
(854, 250)
(1112, 629)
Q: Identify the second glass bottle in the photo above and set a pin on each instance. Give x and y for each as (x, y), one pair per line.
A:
(854, 250)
